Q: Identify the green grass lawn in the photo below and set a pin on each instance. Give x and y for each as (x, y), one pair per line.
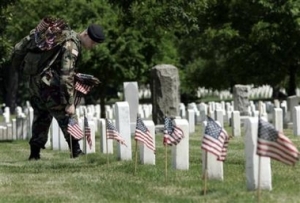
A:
(57, 178)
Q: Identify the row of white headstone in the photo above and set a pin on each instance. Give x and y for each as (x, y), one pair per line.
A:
(194, 113)
(122, 122)
(180, 153)
(264, 91)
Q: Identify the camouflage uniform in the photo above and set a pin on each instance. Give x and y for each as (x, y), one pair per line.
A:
(52, 91)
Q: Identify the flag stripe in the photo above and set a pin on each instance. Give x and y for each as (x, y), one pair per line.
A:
(82, 87)
(140, 135)
(274, 144)
(74, 129)
(172, 133)
(278, 147)
(215, 140)
(264, 149)
(275, 156)
(112, 133)
(143, 135)
(145, 140)
(87, 132)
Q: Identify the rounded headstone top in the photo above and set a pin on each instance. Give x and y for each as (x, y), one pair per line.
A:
(164, 66)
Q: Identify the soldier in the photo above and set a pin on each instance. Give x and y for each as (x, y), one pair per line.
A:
(52, 91)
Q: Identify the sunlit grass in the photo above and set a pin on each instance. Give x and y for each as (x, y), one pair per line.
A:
(57, 178)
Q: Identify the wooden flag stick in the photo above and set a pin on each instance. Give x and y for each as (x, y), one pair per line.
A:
(85, 147)
(166, 162)
(258, 181)
(84, 136)
(135, 165)
(259, 158)
(205, 174)
(107, 157)
(71, 146)
(106, 140)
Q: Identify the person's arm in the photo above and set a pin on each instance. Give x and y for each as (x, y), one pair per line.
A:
(67, 72)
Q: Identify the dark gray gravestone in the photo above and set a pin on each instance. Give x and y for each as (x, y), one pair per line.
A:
(241, 99)
(165, 92)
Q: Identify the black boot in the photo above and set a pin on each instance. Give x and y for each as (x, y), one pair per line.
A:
(34, 152)
(76, 151)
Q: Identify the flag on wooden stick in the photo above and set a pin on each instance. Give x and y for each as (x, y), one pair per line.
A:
(274, 144)
(172, 133)
(74, 129)
(112, 133)
(143, 135)
(215, 139)
(87, 132)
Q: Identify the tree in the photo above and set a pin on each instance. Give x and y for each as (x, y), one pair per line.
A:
(4, 44)
(245, 42)
(130, 49)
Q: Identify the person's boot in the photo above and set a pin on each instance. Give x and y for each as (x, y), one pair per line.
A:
(34, 153)
(76, 151)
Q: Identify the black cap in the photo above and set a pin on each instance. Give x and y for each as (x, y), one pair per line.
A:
(95, 32)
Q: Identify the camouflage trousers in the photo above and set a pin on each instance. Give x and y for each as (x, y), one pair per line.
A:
(45, 101)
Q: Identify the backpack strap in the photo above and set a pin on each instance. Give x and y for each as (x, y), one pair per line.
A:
(50, 62)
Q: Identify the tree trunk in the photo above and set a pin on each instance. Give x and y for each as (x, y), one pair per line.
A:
(292, 80)
(102, 100)
(11, 85)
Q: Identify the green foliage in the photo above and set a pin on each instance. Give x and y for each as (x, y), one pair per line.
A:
(134, 43)
(242, 42)
(215, 44)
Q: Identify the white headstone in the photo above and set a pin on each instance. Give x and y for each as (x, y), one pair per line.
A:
(14, 128)
(252, 160)
(84, 142)
(106, 144)
(9, 132)
(278, 119)
(191, 120)
(292, 101)
(214, 167)
(236, 124)
(147, 156)
(203, 111)
(131, 94)
(6, 115)
(182, 110)
(219, 116)
(123, 126)
(296, 121)
(180, 152)
(55, 135)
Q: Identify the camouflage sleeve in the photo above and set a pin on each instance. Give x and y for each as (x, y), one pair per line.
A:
(69, 58)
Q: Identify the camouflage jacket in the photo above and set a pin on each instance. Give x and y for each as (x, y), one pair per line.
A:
(63, 69)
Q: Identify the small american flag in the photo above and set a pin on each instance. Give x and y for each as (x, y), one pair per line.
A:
(83, 88)
(215, 139)
(172, 134)
(112, 133)
(74, 129)
(143, 134)
(87, 132)
(274, 144)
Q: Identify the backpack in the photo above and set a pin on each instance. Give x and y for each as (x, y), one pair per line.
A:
(36, 52)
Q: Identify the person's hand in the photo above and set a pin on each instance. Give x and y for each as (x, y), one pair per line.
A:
(70, 109)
